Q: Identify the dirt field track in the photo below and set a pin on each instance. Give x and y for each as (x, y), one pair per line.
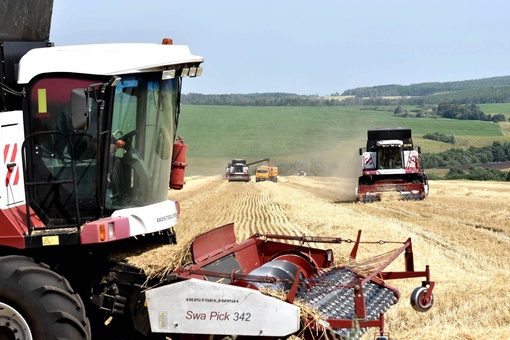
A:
(462, 231)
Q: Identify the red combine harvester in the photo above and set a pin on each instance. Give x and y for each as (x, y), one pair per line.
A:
(90, 149)
(230, 289)
(237, 171)
(390, 164)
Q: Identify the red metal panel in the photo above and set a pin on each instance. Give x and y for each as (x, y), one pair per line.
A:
(213, 242)
(91, 230)
(247, 255)
(13, 221)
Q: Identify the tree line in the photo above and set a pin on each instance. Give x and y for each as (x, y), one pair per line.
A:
(480, 91)
(497, 152)
(478, 174)
(441, 137)
(260, 99)
(478, 96)
(473, 160)
(449, 111)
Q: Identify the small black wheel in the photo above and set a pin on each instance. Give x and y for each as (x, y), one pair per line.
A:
(172, 236)
(417, 300)
(36, 302)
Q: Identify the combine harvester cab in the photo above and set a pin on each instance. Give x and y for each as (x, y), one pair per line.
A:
(276, 286)
(391, 164)
(89, 135)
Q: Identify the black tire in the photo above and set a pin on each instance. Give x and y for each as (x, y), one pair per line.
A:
(417, 302)
(40, 299)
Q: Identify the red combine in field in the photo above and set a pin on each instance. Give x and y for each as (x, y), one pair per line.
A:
(391, 163)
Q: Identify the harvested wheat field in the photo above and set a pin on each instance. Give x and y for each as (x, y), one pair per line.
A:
(462, 230)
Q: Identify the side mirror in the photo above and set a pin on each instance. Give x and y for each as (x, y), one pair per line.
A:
(360, 151)
(419, 149)
(80, 112)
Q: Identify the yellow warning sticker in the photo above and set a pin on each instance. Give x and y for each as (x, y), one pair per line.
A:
(50, 241)
(163, 322)
(42, 104)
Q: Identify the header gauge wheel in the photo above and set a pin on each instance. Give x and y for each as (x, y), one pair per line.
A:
(418, 300)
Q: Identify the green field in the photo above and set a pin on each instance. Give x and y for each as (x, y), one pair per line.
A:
(304, 135)
(503, 108)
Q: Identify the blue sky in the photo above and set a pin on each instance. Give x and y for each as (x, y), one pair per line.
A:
(305, 47)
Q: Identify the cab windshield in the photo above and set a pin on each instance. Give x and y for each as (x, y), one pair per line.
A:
(142, 134)
(390, 158)
(120, 159)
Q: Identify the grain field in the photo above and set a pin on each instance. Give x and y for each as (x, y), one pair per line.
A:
(462, 231)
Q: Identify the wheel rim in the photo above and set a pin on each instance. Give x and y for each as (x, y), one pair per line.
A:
(12, 324)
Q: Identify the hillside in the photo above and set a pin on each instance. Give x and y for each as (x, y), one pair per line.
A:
(426, 89)
(461, 231)
(476, 91)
